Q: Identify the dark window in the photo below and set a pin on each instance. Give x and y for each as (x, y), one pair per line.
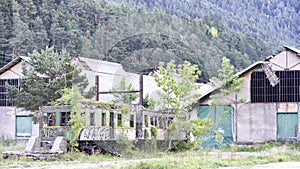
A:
(111, 120)
(4, 101)
(92, 119)
(103, 122)
(286, 91)
(154, 121)
(65, 118)
(51, 119)
(120, 120)
(131, 120)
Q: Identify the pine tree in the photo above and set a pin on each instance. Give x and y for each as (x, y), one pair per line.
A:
(6, 31)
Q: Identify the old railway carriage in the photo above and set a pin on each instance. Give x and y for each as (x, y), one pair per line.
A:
(104, 124)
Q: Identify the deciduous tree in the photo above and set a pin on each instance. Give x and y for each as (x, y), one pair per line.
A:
(179, 92)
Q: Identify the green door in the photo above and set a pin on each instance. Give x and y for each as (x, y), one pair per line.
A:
(23, 124)
(222, 121)
(287, 125)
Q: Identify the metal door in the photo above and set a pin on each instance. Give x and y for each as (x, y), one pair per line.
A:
(287, 125)
(23, 127)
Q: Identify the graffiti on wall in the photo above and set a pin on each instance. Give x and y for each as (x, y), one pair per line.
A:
(95, 134)
(53, 132)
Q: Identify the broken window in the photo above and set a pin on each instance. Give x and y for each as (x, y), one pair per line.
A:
(51, 119)
(65, 118)
(287, 90)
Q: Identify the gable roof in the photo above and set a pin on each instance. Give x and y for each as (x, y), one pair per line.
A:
(297, 51)
(12, 63)
(255, 65)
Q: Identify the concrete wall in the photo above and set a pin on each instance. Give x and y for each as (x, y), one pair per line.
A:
(256, 122)
(7, 122)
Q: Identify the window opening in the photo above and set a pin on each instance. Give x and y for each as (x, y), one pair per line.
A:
(111, 120)
(92, 118)
(65, 118)
(103, 123)
(4, 100)
(131, 123)
(51, 119)
(287, 90)
(120, 120)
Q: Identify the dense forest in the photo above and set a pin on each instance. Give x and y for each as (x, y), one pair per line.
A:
(276, 21)
(140, 34)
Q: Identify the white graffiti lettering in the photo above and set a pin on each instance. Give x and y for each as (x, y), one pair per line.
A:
(95, 134)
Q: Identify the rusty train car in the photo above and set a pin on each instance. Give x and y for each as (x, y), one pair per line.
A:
(104, 125)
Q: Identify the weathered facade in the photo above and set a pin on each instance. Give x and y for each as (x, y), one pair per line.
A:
(271, 89)
(17, 123)
(14, 123)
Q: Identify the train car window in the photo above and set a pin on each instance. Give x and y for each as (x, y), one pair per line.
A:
(103, 120)
(119, 120)
(131, 120)
(111, 120)
(92, 118)
(154, 121)
(146, 120)
(50, 119)
(65, 118)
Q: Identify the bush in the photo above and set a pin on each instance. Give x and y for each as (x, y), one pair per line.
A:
(183, 145)
(124, 146)
(150, 145)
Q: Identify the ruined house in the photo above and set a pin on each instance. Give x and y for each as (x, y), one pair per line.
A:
(271, 89)
(15, 123)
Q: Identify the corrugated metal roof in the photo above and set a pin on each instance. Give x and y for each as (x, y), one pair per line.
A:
(100, 66)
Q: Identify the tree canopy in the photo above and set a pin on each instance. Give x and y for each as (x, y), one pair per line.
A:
(179, 92)
(105, 29)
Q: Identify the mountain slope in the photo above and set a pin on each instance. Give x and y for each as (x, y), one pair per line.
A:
(277, 22)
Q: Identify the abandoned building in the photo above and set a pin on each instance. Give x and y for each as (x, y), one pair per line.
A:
(271, 89)
(15, 123)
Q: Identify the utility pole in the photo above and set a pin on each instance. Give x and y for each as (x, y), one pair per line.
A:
(139, 112)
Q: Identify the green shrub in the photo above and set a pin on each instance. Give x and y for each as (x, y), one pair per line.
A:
(150, 145)
(124, 146)
(183, 146)
(154, 132)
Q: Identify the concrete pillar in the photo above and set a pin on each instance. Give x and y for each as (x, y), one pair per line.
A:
(60, 145)
(33, 143)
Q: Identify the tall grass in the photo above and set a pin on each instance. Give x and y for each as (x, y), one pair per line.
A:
(11, 144)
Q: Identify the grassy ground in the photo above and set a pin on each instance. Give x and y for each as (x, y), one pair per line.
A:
(233, 156)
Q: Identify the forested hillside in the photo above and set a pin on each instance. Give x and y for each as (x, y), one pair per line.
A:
(137, 37)
(276, 21)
